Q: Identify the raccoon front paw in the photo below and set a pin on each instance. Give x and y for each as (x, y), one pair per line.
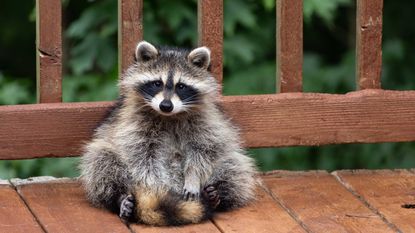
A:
(127, 207)
(191, 194)
(210, 193)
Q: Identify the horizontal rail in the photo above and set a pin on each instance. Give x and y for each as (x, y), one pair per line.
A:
(289, 119)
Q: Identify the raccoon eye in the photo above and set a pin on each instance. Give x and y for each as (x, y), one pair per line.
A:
(157, 83)
(181, 86)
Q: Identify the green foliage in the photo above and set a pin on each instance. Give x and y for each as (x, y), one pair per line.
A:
(38, 167)
(94, 31)
(15, 91)
(334, 157)
(81, 88)
(91, 69)
(319, 77)
(325, 9)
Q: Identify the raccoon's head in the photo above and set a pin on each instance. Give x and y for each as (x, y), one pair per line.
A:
(170, 80)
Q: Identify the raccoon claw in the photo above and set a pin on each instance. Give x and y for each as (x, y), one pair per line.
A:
(210, 193)
(190, 196)
(127, 207)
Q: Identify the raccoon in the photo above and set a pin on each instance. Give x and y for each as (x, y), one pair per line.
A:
(166, 154)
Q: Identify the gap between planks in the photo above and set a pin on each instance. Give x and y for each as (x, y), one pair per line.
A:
(384, 191)
(42, 194)
(363, 200)
(322, 204)
(27, 206)
(22, 219)
(266, 209)
(281, 203)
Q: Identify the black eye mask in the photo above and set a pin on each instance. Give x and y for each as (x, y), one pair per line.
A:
(186, 93)
(149, 89)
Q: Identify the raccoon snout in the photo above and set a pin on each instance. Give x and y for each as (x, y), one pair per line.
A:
(166, 106)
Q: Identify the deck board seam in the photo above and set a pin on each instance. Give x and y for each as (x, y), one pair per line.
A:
(350, 189)
(129, 228)
(28, 207)
(216, 225)
(279, 202)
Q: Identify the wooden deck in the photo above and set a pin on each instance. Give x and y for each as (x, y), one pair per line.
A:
(316, 201)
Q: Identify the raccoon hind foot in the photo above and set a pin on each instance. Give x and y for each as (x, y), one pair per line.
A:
(127, 207)
(210, 193)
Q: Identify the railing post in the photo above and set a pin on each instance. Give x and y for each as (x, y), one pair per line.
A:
(289, 45)
(369, 44)
(49, 51)
(210, 30)
(130, 31)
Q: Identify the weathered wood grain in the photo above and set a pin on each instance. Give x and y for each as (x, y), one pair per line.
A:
(369, 43)
(264, 215)
(130, 31)
(322, 204)
(14, 215)
(210, 30)
(47, 129)
(316, 119)
(206, 227)
(347, 201)
(386, 192)
(49, 50)
(60, 206)
(289, 45)
(289, 119)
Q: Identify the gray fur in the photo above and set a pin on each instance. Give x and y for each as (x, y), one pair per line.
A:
(184, 152)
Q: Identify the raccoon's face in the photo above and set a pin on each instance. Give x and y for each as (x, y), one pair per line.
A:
(170, 80)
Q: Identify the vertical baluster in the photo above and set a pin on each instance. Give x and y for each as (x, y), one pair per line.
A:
(369, 43)
(289, 45)
(49, 51)
(130, 31)
(210, 30)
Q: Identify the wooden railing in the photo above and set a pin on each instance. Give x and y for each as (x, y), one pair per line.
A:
(289, 118)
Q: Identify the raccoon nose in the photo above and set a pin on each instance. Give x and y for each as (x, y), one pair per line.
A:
(166, 106)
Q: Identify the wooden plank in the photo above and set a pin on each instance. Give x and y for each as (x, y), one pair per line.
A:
(322, 204)
(289, 45)
(387, 192)
(369, 43)
(206, 227)
(289, 119)
(49, 50)
(130, 31)
(60, 206)
(14, 215)
(210, 30)
(265, 215)
(29, 131)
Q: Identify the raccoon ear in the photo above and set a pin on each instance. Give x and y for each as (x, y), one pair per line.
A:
(145, 52)
(200, 57)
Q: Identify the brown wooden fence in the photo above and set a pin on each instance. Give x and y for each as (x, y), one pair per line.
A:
(370, 114)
